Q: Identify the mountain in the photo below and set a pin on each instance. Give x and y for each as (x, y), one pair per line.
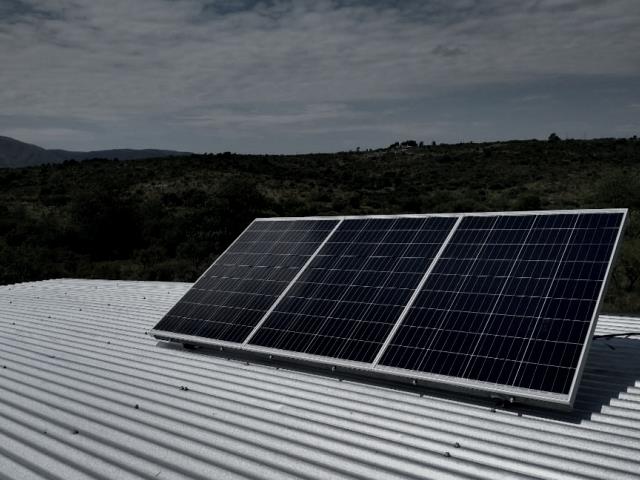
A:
(14, 153)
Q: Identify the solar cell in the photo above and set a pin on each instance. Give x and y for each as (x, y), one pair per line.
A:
(510, 301)
(236, 291)
(351, 294)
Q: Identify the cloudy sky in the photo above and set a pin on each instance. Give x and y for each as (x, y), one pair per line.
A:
(319, 75)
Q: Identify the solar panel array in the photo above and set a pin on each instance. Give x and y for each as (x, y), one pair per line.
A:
(501, 302)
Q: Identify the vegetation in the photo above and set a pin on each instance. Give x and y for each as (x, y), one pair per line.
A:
(167, 219)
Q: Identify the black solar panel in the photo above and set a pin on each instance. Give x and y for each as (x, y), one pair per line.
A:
(510, 301)
(236, 291)
(496, 303)
(352, 293)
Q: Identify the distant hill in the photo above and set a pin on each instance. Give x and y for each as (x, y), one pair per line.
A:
(168, 218)
(14, 153)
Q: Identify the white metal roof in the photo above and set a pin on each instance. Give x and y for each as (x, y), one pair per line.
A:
(78, 362)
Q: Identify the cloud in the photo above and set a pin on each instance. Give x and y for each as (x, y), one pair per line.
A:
(262, 66)
(447, 51)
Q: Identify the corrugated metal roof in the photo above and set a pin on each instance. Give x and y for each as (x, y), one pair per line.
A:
(85, 393)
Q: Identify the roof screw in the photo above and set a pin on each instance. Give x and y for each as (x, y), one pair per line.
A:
(270, 357)
(447, 454)
(457, 445)
(493, 410)
(76, 432)
(333, 369)
(221, 349)
(137, 406)
(414, 381)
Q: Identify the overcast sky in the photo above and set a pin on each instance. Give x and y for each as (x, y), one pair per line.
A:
(319, 75)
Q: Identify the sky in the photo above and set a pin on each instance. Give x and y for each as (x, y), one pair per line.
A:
(295, 76)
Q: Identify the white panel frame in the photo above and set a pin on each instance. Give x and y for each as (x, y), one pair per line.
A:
(374, 369)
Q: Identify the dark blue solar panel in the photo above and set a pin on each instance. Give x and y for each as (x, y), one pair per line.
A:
(510, 300)
(238, 289)
(346, 302)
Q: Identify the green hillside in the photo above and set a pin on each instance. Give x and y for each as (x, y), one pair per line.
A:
(167, 219)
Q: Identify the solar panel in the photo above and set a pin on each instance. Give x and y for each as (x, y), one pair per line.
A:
(495, 304)
(351, 294)
(231, 297)
(510, 301)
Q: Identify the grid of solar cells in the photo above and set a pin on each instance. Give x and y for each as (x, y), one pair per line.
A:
(510, 300)
(238, 289)
(347, 300)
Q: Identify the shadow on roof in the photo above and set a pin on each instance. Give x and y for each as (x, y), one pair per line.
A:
(613, 365)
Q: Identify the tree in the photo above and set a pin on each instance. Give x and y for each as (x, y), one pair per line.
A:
(553, 138)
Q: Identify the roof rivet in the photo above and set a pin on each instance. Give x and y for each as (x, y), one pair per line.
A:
(493, 410)
(270, 357)
(447, 454)
(137, 406)
(414, 381)
(76, 432)
(333, 369)
(457, 445)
